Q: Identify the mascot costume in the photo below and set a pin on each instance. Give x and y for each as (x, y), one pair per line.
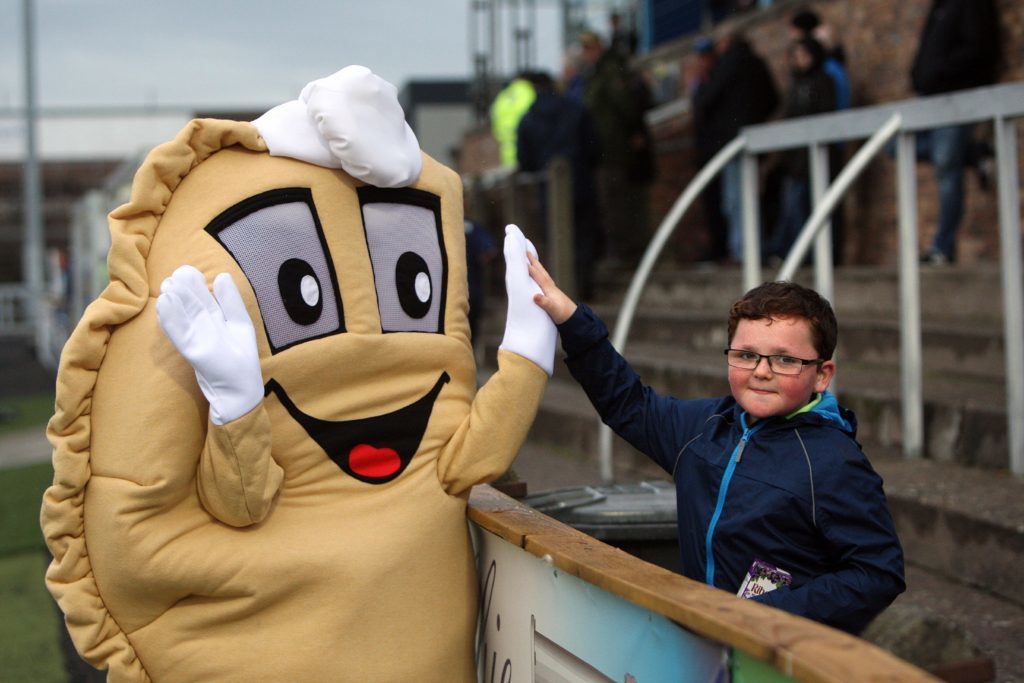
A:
(268, 481)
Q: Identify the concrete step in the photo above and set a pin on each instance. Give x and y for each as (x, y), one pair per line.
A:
(975, 349)
(958, 293)
(957, 631)
(964, 523)
(965, 419)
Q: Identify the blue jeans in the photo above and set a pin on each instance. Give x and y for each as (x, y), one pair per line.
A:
(732, 207)
(794, 210)
(947, 149)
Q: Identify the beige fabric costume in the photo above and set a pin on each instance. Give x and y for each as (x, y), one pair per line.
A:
(187, 551)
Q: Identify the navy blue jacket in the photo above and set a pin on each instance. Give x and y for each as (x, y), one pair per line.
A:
(797, 493)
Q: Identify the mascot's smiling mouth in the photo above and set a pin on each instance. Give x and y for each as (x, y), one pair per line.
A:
(376, 449)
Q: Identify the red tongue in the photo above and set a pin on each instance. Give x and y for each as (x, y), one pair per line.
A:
(369, 461)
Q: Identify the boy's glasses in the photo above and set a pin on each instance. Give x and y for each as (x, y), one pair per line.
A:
(783, 365)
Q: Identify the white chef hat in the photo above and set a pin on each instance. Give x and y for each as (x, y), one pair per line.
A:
(350, 120)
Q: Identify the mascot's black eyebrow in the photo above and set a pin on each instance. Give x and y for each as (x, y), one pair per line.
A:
(264, 253)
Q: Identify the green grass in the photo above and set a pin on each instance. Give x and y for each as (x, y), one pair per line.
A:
(29, 621)
(21, 494)
(24, 412)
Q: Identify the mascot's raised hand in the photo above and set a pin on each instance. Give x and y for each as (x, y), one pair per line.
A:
(529, 331)
(215, 335)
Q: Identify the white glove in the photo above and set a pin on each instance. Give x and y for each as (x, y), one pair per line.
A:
(529, 332)
(216, 337)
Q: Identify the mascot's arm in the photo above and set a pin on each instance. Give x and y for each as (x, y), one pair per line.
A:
(237, 478)
(487, 442)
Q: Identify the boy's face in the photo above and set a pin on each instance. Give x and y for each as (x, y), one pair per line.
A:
(764, 393)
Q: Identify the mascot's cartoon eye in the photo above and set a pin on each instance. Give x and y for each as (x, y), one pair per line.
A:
(412, 280)
(410, 266)
(300, 291)
(276, 239)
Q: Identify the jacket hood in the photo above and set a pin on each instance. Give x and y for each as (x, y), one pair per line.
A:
(829, 409)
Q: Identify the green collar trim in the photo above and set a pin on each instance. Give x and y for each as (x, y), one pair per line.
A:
(810, 406)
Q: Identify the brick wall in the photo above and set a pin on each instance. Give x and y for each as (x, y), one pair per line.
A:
(880, 39)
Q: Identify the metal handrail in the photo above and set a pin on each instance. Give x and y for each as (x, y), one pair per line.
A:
(1013, 285)
(1001, 104)
(636, 286)
(823, 209)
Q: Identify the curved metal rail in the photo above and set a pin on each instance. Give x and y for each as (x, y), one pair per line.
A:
(824, 208)
(810, 231)
(636, 286)
(1001, 104)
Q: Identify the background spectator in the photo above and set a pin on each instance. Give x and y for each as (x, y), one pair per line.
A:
(739, 92)
(807, 24)
(810, 91)
(572, 73)
(480, 252)
(959, 49)
(623, 37)
(707, 146)
(616, 99)
(556, 126)
(508, 107)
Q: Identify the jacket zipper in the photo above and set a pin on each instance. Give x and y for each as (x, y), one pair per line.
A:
(723, 489)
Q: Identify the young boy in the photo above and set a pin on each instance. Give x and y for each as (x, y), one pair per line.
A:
(770, 475)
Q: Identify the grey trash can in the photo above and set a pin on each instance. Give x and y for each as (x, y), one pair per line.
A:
(637, 518)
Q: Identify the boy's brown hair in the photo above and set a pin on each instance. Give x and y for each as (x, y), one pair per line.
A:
(787, 300)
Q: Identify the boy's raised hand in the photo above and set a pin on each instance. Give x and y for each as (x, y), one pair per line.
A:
(528, 332)
(554, 301)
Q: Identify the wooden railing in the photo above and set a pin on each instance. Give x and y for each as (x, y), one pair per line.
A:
(793, 647)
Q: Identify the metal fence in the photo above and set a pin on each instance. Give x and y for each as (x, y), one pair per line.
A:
(16, 312)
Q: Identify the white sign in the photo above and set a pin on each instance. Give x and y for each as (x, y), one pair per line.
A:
(538, 623)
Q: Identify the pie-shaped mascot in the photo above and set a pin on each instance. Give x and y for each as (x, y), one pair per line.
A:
(268, 423)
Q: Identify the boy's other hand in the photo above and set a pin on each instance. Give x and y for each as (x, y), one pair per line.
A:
(554, 301)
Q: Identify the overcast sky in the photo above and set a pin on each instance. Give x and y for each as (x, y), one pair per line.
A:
(235, 53)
